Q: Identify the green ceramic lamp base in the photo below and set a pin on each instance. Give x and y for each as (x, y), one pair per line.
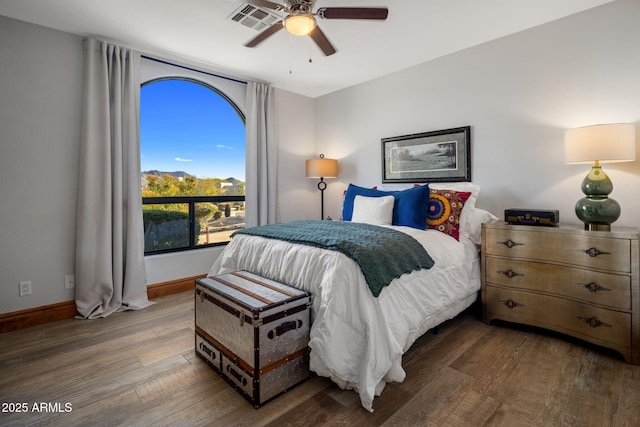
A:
(596, 210)
(597, 214)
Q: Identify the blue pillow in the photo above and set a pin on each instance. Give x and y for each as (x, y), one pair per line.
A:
(410, 208)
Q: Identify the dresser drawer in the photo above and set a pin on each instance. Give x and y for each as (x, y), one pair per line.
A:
(592, 324)
(592, 287)
(604, 253)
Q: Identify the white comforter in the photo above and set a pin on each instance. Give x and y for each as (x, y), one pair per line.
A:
(358, 340)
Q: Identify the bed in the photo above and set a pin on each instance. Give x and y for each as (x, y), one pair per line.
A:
(356, 338)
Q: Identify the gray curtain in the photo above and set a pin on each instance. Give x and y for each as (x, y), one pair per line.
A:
(110, 272)
(262, 156)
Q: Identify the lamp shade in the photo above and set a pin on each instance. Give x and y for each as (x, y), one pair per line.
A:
(604, 143)
(322, 168)
(300, 25)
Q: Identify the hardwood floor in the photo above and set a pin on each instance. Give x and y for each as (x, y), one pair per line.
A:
(139, 369)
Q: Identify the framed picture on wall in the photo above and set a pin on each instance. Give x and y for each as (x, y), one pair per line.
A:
(437, 156)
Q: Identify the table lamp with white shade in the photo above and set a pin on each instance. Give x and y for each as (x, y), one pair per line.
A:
(606, 143)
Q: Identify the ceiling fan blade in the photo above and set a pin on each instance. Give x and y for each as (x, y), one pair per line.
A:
(353, 12)
(322, 41)
(265, 34)
(266, 4)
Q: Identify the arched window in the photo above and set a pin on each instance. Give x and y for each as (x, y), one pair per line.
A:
(192, 150)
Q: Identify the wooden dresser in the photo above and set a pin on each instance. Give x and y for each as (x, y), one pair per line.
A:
(580, 283)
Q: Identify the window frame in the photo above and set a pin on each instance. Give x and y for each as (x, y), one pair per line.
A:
(201, 83)
(192, 200)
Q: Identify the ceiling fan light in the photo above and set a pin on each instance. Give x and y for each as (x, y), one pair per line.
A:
(299, 25)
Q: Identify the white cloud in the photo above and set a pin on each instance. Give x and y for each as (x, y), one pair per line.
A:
(180, 159)
(224, 146)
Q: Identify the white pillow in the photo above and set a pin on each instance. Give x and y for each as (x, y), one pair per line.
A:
(373, 210)
(477, 218)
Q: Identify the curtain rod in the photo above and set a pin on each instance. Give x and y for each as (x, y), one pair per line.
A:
(162, 61)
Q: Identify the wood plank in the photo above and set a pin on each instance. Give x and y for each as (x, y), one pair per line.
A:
(317, 410)
(629, 400)
(174, 343)
(436, 390)
(473, 409)
(592, 394)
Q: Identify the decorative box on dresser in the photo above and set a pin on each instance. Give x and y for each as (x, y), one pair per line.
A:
(581, 283)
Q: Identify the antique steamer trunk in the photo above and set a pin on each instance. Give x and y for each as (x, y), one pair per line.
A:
(253, 332)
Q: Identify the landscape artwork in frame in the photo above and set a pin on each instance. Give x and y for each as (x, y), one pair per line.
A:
(437, 156)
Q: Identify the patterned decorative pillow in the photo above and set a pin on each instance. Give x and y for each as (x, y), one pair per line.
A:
(445, 207)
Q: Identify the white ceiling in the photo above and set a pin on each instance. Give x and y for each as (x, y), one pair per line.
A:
(199, 31)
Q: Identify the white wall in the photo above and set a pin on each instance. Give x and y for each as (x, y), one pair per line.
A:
(40, 97)
(297, 195)
(518, 94)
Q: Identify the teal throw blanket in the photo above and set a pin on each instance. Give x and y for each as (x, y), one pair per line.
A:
(382, 253)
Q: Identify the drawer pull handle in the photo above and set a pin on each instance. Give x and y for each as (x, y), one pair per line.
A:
(235, 374)
(594, 252)
(284, 327)
(593, 287)
(593, 321)
(511, 303)
(207, 350)
(510, 273)
(510, 243)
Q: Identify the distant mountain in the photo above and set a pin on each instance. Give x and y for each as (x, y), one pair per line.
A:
(178, 174)
(181, 174)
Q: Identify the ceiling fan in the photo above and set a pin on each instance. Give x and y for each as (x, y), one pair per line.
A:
(301, 20)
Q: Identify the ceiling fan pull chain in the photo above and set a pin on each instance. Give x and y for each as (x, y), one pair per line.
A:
(290, 57)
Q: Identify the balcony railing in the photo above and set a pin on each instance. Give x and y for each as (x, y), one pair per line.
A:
(182, 223)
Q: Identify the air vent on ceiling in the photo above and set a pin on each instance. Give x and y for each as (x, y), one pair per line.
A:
(254, 17)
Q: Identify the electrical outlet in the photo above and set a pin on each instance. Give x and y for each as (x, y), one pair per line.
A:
(25, 288)
(69, 281)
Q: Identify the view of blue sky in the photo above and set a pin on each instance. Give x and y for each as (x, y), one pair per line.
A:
(185, 126)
